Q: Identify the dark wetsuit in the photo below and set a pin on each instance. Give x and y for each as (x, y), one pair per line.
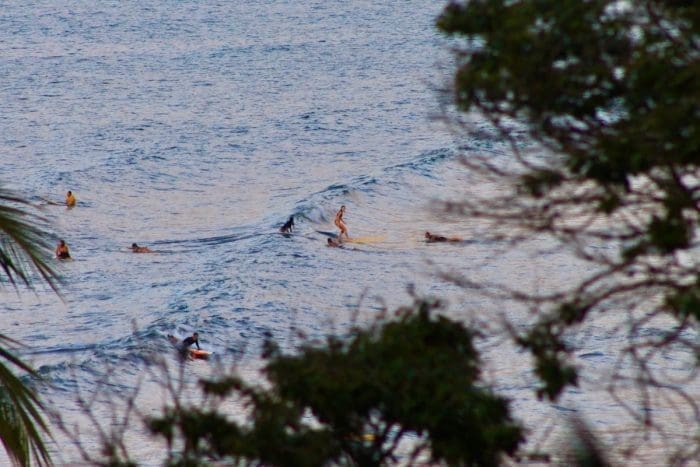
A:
(188, 341)
(64, 255)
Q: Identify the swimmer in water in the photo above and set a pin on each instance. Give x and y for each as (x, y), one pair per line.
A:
(62, 250)
(70, 199)
(340, 223)
(439, 238)
(140, 249)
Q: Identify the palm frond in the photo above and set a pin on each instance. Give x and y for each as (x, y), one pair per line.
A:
(21, 423)
(24, 240)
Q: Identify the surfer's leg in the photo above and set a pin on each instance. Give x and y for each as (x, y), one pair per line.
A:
(341, 227)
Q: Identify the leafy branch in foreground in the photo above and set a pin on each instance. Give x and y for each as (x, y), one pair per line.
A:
(21, 422)
(596, 105)
(404, 389)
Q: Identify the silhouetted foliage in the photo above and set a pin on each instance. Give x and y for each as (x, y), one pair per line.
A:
(354, 401)
(583, 448)
(596, 103)
(23, 243)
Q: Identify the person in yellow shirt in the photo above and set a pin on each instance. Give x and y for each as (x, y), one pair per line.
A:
(70, 199)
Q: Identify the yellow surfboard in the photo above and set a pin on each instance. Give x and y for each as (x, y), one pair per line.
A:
(367, 239)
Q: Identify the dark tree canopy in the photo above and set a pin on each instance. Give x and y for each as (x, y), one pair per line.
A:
(415, 376)
(607, 94)
(610, 85)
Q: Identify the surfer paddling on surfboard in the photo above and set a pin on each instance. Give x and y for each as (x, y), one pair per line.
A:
(439, 238)
(340, 223)
(334, 243)
(140, 249)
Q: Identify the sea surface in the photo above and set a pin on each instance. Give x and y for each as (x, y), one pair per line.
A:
(197, 129)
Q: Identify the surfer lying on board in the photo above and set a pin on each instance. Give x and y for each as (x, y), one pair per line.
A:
(439, 238)
(337, 243)
(62, 250)
(140, 249)
(70, 199)
(340, 223)
(334, 243)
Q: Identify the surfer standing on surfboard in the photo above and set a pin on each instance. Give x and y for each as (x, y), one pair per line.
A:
(340, 223)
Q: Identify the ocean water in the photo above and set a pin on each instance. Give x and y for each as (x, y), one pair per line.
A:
(197, 129)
